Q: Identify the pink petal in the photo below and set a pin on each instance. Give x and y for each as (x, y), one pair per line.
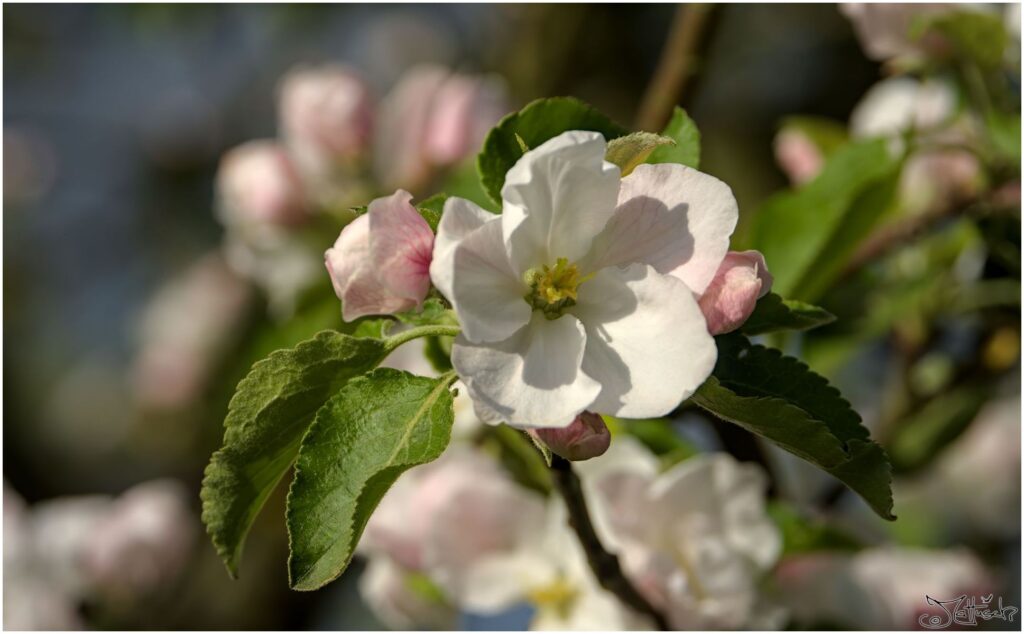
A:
(729, 300)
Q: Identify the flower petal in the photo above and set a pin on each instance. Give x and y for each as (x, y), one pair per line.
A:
(647, 343)
(401, 244)
(672, 217)
(485, 292)
(460, 218)
(533, 378)
(353, 276)
(557, 197)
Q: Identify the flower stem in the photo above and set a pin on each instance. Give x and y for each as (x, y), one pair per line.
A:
(604, 564)
(421, 331)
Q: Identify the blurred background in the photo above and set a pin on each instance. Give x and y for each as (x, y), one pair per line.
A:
(117, 243)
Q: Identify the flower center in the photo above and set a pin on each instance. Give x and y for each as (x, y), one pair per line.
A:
(553, 288)
(559, 596)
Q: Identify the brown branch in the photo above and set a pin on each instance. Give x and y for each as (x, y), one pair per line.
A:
(675, 67)
(889, 237)
(604, 564)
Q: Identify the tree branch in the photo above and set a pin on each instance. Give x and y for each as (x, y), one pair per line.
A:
(676, 66)
(604, 564)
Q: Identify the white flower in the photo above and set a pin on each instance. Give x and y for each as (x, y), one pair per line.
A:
(879, 588)
(545, 566)
(695, 540)
(581, 295)
(901, 104)
(403, 599)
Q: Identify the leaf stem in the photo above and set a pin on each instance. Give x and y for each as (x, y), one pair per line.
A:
(394, 341)
(604, 564)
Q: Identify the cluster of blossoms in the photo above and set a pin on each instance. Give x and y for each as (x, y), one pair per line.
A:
(62, 552)
(339, 146)
(941, 168)
(589, 293)
(461, 535)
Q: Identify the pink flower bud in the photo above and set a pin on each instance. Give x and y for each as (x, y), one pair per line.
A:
(433, 118)
(380, 264)
(585, 438)
(740, 281)
(326, 115)
(258, 183)
(465, 110)
(798, 156)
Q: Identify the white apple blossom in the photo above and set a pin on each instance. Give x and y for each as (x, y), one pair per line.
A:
(403, 599)
(884, 29)
(902, 104)
(880, 588)
(546, 568)
(695, 540)
(582, 294)
(442, 518)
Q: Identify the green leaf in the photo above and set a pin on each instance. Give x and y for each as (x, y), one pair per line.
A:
(686, 150)
(368, 434)
(793, 229)
(778, 397)
(802, 534)
(270, 411)
(1004, 132)
(431, 209)
(874, 203)
(784, 424)
(533, 125)
(922, 436)
(773, 314)
(976, 35)
(433, 311)
(633, 149)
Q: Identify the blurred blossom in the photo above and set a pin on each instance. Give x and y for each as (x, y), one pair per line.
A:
(258, 185)
(405, 600)
(33, 599)
(884, 30)
(185, 330)
(30, 166)
(61, 528)
(729, 299)
(73, 548)
(143, 541)
(380, 264)
(466, 109)
(283, 264)
(973, 487)
(936, 179)
(902, 104)
(441, 518)
(326, 117)
(585, 438)
(433, 118)
(695, 540)
(880, 588)
(798, 156)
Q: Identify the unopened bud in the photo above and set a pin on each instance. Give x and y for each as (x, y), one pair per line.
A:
(740, 281)
(585, 438)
